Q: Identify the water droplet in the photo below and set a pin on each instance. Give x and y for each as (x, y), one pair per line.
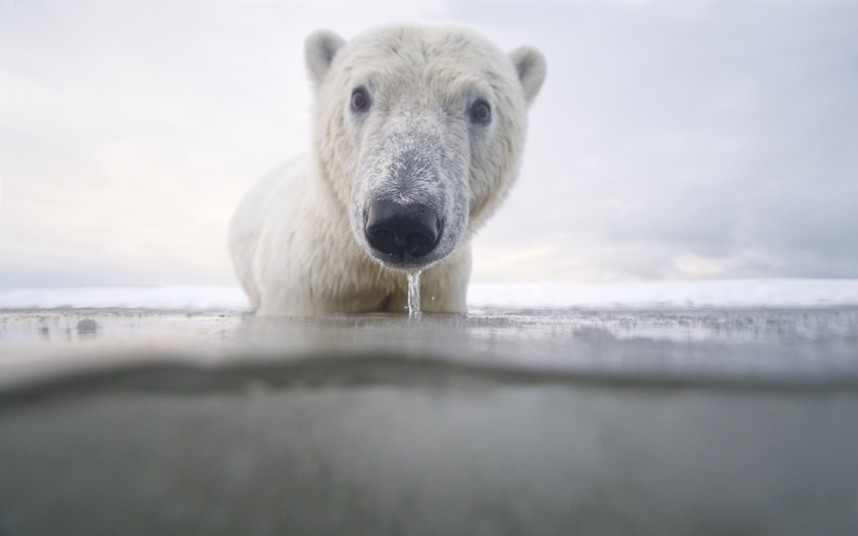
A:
(414, 294)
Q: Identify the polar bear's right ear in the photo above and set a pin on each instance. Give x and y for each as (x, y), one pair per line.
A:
(319, 51)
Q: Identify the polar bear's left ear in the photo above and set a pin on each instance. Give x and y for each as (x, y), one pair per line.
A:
(319, 51)
(530, 65)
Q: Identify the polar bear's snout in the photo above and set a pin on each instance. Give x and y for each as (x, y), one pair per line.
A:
(407, 197)
(402, 233)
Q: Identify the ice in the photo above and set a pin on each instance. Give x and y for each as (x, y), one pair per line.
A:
(665, 294)
(670, 294)
(171, 297)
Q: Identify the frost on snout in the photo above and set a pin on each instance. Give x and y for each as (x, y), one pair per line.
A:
(403, 223)
(411, 186)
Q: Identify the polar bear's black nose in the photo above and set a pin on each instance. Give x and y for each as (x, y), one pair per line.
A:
(400, 231)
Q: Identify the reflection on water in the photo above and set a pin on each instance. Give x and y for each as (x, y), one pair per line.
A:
(744, 344)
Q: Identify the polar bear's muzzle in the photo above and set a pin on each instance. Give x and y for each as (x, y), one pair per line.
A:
(402, 234)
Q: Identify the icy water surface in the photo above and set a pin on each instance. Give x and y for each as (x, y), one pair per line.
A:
(798, 345)
(694, 421)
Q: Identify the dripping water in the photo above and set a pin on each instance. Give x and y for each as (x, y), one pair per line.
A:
(414, 294)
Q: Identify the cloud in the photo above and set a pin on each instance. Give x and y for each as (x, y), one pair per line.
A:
(672, 139)
(708, 130)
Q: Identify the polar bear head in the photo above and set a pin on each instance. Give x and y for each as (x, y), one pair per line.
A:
(419, 133)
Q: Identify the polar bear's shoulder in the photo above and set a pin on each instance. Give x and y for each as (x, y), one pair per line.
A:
(268, 203)
(284, 186)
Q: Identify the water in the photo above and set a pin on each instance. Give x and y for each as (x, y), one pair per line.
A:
(765, 346)
(414, 294)
(715, 421)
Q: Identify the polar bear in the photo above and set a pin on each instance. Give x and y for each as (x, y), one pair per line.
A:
(417, 137)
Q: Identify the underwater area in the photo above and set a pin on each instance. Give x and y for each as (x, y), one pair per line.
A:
(707, 420)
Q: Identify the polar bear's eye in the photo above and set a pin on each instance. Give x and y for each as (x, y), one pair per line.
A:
(360, 100)
(481, 112)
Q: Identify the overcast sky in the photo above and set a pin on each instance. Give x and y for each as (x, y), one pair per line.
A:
(673, 139)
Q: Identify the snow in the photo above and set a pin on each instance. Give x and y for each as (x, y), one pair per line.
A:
(170, 297)
(674, 294)
(659, 294)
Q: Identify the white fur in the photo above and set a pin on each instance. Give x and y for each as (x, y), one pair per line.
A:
(297, 239)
